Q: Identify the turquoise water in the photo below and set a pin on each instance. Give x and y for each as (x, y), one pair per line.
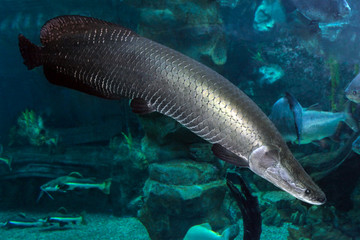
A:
(163, 177)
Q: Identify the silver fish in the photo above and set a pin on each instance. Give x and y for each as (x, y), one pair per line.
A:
(23, 221)
(323, 11)
(110, 61)
(73, 181)
(297, 124)
(352, 91)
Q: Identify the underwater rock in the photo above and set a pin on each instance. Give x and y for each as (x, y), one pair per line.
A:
(165, 139)
(168, 208)
(202, 152)
(157, 127)
(180, 194)
(228, 3)
(271, 217)
(183, 172)
(273, 197)
(271, 74)
(155, 20)
(301, 233)
(316, 232)
(322, 164)
(267, 14)
(198, 20)
(327, 232)
(355, 196)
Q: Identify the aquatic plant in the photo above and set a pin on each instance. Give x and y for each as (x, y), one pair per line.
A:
(128, 148)
(335, 81)
(356, 69)
(30, 127)
(258, 56)
(129, 140)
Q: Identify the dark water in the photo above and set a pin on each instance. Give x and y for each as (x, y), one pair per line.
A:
(162, 174)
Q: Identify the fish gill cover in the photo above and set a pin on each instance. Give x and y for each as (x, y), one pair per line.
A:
(161, 173)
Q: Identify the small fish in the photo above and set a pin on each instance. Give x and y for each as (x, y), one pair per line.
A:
(323, 11)
(352, 91)
(249, 206)
(301, 125)
(73, 181)
(22, 221)
(109, 61)
(63, 218)
(204, 232)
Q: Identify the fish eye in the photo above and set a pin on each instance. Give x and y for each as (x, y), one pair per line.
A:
(307, 191)
(354, 92)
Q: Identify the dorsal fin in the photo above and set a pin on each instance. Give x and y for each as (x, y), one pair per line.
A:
(56, 28)
(75, 175)
(62, 210)
(297, 113)
(314, 107)
(206, 225)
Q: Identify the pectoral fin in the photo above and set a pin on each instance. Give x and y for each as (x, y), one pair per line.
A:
(227, 156)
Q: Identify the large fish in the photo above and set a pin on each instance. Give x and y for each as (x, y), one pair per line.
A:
(297, 124)
(323, 11)
(352, 91)
(110, 61)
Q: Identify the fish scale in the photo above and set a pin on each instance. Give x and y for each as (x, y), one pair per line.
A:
(109, 61)
(135, 61)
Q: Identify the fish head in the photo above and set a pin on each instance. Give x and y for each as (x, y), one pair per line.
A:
(344, 9)
(352, 92)
(56, 185)
(282, 169)
(338, 10)
(325, 11)
(50, 188)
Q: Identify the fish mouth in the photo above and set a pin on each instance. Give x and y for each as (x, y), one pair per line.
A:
(321, 200)
(317, 201)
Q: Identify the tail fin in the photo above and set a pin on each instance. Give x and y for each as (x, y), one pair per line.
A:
(107, 185)
(231, 232)
(30, 52)
(349, 119)
(82, 215)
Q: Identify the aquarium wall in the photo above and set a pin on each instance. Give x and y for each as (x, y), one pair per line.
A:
(149, 175)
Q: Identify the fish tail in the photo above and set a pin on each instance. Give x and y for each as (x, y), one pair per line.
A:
(82, 215)
(349, 119)
(107, 185)
(231, 232)
(30, 52)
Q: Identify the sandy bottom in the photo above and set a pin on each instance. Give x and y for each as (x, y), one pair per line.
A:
(98, 226)
(105, 227)
(268, 232)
